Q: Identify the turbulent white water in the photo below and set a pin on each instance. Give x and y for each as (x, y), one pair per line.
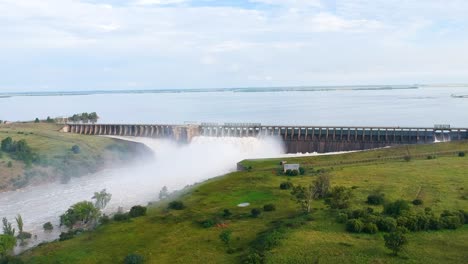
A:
(174, 165)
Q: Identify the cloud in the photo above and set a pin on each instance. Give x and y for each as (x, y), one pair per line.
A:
(293, 42)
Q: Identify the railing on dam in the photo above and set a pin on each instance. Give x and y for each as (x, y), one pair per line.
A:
(296, 138)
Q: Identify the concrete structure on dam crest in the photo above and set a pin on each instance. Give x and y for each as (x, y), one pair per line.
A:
(296, 138)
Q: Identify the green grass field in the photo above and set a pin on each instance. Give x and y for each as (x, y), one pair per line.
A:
(168, 236)
(56, 158)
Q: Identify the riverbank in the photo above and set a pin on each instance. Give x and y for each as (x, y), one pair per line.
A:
(435, 174)
(60, 156)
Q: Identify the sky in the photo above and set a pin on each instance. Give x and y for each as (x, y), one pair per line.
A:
(51, 45)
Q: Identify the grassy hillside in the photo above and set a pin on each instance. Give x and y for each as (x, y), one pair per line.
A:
(286, 235)
(56, 159)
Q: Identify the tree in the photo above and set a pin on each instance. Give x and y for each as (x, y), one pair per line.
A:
(7, 243)
(8, 228)
(321, 186)
(82, 212)
(395, 241)
(36, 120)
(341, 197)
(19, 223)
(305, 195)
(396, 208)
(7, 144)
(137, 211)
(93, 117)
(164, 193)
(102, 199)
(85, 117)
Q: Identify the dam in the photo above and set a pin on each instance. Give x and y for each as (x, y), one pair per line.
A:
(297, 139)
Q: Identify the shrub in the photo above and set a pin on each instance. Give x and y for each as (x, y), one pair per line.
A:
(354, 225)
(387, 224)
(176, 205)
(396, 208)
(407, 158)
(395, 241)
(434, 223)
(208, 223)
(133, 259)
(121, 217)
(24, 235)
(358, 213)
(340, 197)
(342, 218)
(269, 207)
(137, 211)
(450, 222)
(376, 199)
(370, 228)
(301, 171)
(417, 202)
(286, 185)
(226, 213)
(225, 237)
(69, 235)
(104, 219)
(76, 149)
(461, 154)
(48, 226)
(255, 212)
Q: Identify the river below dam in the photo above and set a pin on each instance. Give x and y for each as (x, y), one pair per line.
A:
(173, 165)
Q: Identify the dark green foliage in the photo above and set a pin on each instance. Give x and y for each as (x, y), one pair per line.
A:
(19, 150)
(255, 212)
(269, 207)
(461, 154)
(50, 120)
(268, 239)
(121, 217)
(286, 185)
(176, 205)
(407, 158)
(340, 197)
(226, 213)
(11, 260)
(342, 218)
(370, 228)
(395, 241)
(396, 208)
(387, 224)
(104, 219)
(358, 213)
(225, 237)
(24, 235)
(36, 120)
(83, 212)
(417, 202)
(84, 118)
(137, 211)
(301, 171)
(133, 259)
(8, 228)
(431, 157)
(70, 234)
(354, 225)
(48, 226)
(253, 258)
(76, 149)
(7, 243)
(291, 173)
(451, 220)
(376, 199)
(208, 223)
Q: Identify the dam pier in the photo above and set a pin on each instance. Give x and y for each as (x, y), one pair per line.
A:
(297, 139)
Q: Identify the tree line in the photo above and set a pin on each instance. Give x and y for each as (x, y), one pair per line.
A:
(19, 150)
(84, 118)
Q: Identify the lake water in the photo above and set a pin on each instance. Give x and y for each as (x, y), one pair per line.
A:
(385, 107)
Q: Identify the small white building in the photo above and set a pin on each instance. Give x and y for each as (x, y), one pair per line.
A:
(290, 167)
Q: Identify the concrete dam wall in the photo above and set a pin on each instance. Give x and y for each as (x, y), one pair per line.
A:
(296, 138)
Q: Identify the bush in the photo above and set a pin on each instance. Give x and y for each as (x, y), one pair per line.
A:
(461, 154)
(226, 213)
(48, 226)
(417, 202)
(376, 199)
(176, 205)
(76, 149)
(208, 223)
(291, 173)
(286, 185)
(340, 197)
(255, 212)
(24, 235)
(301, 171)
(358, 213)
(370, 228)
(269, 207)
(407, 158)
(69, 235)
(395, 241)
(121, 217)
(133, 259)
(354, 225)
(137, 211)
(104, 219)
(450, 222)
(396, 208)
(387, 224)
(342, 218)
